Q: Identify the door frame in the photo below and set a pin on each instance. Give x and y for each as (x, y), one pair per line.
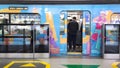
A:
(82, 29)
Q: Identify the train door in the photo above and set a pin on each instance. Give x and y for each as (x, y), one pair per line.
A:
(83, 20)
(41, 41)
(21, 36)
(74, 43)
(111, 47)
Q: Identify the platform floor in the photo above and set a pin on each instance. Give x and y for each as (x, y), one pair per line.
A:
(60, 62)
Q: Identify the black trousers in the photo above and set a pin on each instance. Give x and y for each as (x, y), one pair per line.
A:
(72, 41)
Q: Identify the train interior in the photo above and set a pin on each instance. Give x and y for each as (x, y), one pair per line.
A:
(79, 19)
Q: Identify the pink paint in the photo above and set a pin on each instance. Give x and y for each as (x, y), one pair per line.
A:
(98, 26)
(101, 19)
(94, 36)
(88, 47)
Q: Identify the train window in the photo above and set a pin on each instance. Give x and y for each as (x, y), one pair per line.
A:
(62, 23)
(21, 30)
(25, 18)
(4, 18)
(16, 36)
(86, 16)
(16, 30)
(111, 38)
(115, 18)
(82, 17)
(42, 38)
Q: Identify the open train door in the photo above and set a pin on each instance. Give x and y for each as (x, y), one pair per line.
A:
(83, 20)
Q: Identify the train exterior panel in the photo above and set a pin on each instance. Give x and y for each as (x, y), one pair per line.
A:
(50, 14)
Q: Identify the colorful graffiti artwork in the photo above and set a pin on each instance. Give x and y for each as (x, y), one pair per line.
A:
(53, 47)
(50, 14)
(96, 37)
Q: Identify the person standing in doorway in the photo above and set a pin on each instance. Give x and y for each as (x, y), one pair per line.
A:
(72, 32)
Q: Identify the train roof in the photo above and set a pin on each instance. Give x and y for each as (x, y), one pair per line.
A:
(59, 1)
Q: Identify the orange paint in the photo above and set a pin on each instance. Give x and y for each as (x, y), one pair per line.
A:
(6, 10)
(49, 20)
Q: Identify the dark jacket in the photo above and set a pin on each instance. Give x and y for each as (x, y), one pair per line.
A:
(72, 28)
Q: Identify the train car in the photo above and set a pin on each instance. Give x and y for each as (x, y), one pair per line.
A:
(90, 18)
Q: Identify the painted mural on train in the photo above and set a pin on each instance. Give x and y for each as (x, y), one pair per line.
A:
(50, 14)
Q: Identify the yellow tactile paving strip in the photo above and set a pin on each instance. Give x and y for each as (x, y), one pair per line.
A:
(41, 62)
(114, 65)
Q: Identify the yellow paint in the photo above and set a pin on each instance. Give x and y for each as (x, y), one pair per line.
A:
(28, 65)
(114, 65)
(49, 20)
(47, 65)
(86, 39)
(27, 61)
(66, 22)
(109, 13)
(74, 52)
(63, 40)
(6, 10)
(8, 65)
(65, 30)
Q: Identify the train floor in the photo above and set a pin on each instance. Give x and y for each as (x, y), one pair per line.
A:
(61, 62)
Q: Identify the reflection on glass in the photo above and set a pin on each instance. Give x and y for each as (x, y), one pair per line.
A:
(4, 18)
(24, 18)
(17, 39)
(62, 24)
(111, 35)
(111, 40)
(42, 38)
(18, 30)
(115, 18)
